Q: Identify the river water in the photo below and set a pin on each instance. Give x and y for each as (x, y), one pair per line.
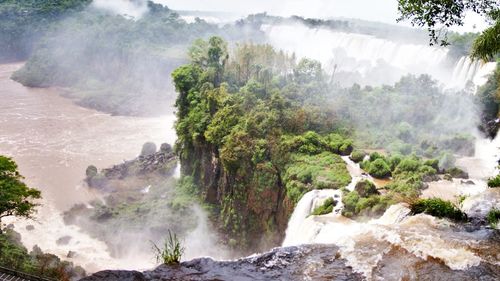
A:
(53, 141)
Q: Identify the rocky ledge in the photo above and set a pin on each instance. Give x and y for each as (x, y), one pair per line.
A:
(315, 262)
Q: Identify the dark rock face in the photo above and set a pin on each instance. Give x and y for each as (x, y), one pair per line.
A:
(316, 262)
(162, 162)
(308, 262)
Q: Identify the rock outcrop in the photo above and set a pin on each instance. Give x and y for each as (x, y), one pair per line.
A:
(291, 263)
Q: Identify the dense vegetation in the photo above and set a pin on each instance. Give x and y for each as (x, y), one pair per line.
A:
(113, 63)
(325, 208)
(24, 22)
(15, 256)
(489, 100)
(16, 198)
(435, 15)
(256, 130)
(493, 217)
(438, 208)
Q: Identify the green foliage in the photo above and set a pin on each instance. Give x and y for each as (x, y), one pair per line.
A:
(171, 252)
(370, 205)
(325, 208)
(437, 207)
(325, 170)
(365, 188)
(23, 23)
(378, 168)
(493, 217)
(16, 198)
(15, 256)
(357, 156)
(434, 14)
(494, 182)
(312, 143)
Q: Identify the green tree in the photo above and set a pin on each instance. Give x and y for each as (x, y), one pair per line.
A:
(437, 15)
(16, 198)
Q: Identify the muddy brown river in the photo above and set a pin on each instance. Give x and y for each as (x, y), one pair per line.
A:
(53, 141)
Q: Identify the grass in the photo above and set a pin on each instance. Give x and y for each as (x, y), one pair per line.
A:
(494, 182)
(325, 208)
(171, 252)
(438, 208)
(493, 217)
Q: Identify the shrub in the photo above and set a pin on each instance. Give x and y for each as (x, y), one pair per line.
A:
(446, 161)
(325, 208)
(457, 173)
(408, 164)
(394, 161)
(493, 217)
(434, 163)
(379, 169)
(91, 171)
(365, 188)
(494, 182)
(357, 156)
(148, 148)
(171, 252)
(437, 207)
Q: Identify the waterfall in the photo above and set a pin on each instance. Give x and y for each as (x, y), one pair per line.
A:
(468, 70)
(297, 232)
(359, 53)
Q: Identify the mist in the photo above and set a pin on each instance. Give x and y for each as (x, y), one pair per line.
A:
(384, 82)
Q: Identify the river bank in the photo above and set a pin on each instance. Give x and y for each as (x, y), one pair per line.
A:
(53, 141)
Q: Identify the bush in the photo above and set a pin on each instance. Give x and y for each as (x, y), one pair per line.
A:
(493, 217)
(434, 163)
(437, 207)
(148, 148)
(325, 208)
(379, 169)
(91, 171)
(357, 156)
(366, 188)
(494, 182)
(171, 252)
(408, 165)
(372, 205)
(457, 173)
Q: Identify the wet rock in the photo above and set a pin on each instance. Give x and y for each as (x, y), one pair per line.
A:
(64, 240)
(478, 206)
(162, 162)
(148, 148)
(291, 263)
(448, 177)
(468, 182)
(71, 254)
(165, 148)
(457, 173)
(116, 275)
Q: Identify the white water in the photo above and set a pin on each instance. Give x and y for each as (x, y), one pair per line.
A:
(376, 60)
(53, 141)
(467, 70)
(363, 244)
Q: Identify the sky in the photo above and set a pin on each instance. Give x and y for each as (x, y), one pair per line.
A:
(373, 10)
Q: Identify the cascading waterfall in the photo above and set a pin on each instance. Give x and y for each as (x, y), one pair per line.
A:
(360, 53)
(468, 70)
(364, 244)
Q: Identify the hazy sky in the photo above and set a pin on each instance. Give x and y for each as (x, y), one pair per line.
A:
(375, 10)
(379, 10)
